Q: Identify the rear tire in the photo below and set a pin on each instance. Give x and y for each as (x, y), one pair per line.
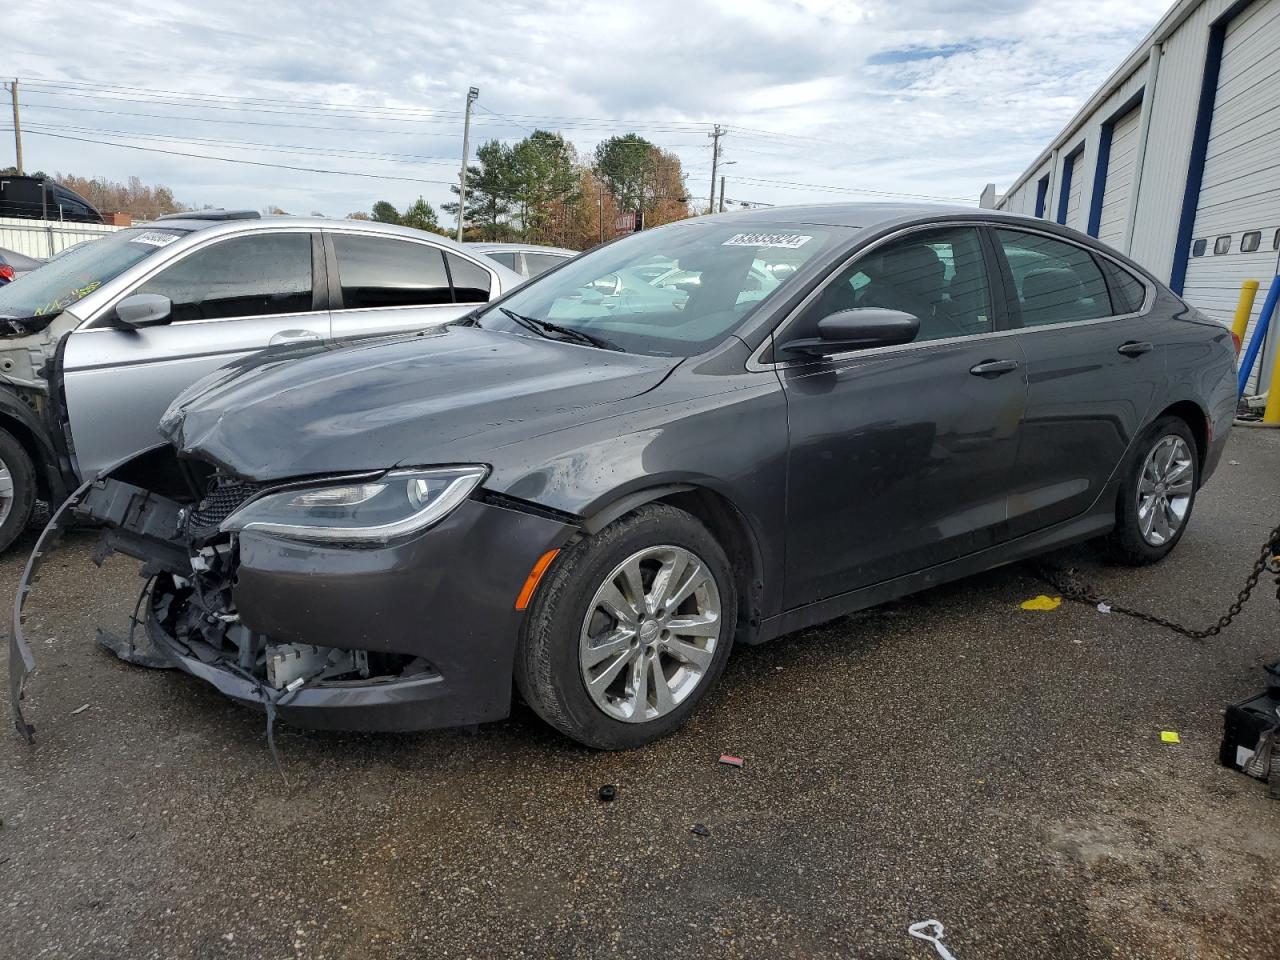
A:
(629, 631)
(17, 489)
(1157, 494)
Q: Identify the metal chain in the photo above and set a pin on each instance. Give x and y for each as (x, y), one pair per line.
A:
(1072, 587)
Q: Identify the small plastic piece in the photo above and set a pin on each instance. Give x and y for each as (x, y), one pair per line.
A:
(1104, 608)
(1042, 603)
(607, 793)
(80, 709)
(700, 830)
(731, 761)
(1170, 736)
(931, 932)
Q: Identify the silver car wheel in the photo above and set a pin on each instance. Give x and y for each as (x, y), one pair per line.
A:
(650, 634)
(6, 492)
(1165, 488)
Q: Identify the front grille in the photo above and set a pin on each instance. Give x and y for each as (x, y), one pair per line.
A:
(220, 502)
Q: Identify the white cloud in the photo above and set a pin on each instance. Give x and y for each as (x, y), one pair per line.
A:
(913, 96)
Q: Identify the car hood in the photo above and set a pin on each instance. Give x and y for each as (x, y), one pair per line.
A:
(446, 395)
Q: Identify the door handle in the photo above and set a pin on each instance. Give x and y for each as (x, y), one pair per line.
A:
(292, 336)
(1135, 348)
(993, 368)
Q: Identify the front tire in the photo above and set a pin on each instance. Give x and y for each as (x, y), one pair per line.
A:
(1157, 494)
(17, 489)
(629, 631)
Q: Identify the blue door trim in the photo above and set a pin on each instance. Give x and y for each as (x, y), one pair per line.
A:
(1200, 143)
(1068, 162)
(1104, 159)
(1042, 195)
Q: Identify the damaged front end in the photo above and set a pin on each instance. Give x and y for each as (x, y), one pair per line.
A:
(358, 636)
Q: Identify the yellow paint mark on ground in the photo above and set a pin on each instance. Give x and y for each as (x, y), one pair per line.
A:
(1042, 603)
(1170, 736)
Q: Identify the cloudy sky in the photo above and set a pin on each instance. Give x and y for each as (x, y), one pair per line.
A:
(822, 98)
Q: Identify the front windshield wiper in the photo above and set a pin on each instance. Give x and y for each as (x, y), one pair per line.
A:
(553, 331)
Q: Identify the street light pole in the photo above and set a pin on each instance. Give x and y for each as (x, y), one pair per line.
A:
(472, 94)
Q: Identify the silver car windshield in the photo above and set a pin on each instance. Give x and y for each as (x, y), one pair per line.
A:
(672, 291)
(47, 291)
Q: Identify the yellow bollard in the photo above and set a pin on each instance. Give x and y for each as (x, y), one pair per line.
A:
(1248, 291)
(1271, 413)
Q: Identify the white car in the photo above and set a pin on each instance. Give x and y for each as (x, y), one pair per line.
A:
(526, 259)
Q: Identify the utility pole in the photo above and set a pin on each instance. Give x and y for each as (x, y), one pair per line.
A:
(17, 126)
(472, 94)
(715, 158)
(722, 194)
(600, 206)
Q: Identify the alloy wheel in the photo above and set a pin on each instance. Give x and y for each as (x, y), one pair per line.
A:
(650, 633)
(6, 492)
(1165, 488)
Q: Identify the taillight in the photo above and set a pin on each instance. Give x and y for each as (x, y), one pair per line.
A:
(6, 272)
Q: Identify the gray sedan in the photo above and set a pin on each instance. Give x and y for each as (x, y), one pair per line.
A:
(595, 509)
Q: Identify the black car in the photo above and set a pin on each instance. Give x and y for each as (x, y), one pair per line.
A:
(592, 505)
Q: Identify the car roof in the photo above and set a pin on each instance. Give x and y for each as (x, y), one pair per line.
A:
(242, 224)
(484, 247)
(19, 261)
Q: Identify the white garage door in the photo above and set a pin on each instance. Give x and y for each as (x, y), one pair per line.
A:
(1075, 217)
(1119, 182)
(1240, 193)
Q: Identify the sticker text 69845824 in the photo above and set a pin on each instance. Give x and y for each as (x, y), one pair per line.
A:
(155, 238)
(788, 240)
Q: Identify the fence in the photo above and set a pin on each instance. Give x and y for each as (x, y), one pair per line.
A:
(45, 238)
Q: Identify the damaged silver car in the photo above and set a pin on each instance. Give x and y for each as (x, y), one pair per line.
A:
(95, 344)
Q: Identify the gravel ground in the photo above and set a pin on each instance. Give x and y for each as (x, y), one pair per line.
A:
(951, 756)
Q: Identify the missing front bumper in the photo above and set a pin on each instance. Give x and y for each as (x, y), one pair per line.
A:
(434, 616)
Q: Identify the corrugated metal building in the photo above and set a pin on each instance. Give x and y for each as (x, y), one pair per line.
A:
(1176, 159)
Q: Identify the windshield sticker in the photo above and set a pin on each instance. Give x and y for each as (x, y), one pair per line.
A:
(153, 238)
(788, 241)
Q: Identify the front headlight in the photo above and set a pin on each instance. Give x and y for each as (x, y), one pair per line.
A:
(363, 511)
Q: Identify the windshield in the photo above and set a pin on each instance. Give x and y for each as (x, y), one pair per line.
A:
(46, 292)
(672, 291)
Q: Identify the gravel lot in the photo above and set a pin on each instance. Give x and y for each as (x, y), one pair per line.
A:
(951, 756)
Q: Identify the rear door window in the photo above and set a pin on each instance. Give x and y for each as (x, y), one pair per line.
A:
(1056, 282)
(252, 276)
(1128, 293)
(471, 282)
(384, 272)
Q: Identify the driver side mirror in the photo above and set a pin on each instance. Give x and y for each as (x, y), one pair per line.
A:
(858, 329)
(144, 310)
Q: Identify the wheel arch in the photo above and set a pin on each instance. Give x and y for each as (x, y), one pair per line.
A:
(726, 523)
(1197, 421)
(35, 443)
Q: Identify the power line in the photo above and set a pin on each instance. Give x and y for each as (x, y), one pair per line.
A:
(250, 123)
(252, 163)
(251, 144)
(831, 188)
(402, 114)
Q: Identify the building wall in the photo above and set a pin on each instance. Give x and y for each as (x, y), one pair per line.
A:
(1168, 73)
